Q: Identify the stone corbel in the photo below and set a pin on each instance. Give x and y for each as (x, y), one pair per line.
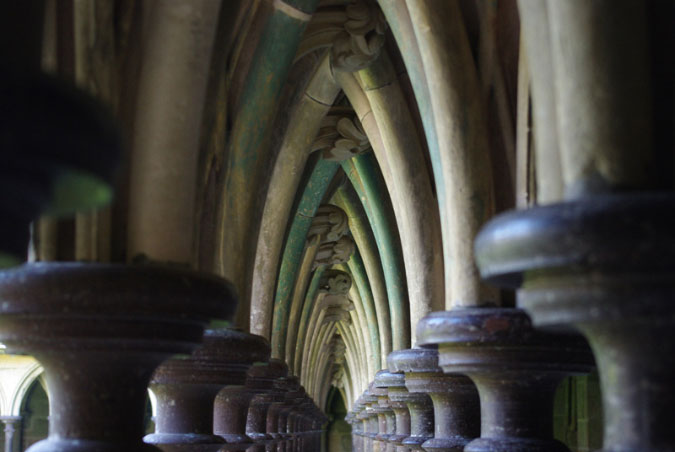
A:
(329, 223)
(354, 32)
(335, 282)
(333, 253)
(341, 135)
(362, 41)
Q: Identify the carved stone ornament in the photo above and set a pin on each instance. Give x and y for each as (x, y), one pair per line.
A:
(338, 374)
(335, 282)
(330, 222)
(361, 42)
(341, 136)
(337, 301)
(333, 253)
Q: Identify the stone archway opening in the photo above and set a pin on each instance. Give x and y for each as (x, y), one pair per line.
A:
(338, 432)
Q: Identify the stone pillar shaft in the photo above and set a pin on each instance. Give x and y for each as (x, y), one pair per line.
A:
(10, 428)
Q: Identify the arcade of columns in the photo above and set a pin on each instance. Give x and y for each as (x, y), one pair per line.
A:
(258, 207)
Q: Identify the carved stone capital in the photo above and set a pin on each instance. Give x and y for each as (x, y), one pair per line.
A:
(333, 253)
(330, 223)
(363, 37)
(338, 374)
(337, 301)
(341, 135)
(335, 282)
(336, 314)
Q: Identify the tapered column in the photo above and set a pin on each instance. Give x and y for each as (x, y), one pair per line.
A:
(100, 331)
(231, 407)
(602, 264)
(515, 368)
(454, 397)
(187, 387)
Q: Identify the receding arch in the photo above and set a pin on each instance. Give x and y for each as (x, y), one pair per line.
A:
(32, 373)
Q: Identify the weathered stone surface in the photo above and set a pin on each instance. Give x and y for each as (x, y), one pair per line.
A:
(362, 41)
(186, 388)
(602, 264)
(515, 368)
(454, 397)
(100, 330)
(231, 406)
(394, 382)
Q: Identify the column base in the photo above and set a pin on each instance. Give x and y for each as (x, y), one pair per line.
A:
(603, 265)
(515, 445)
(185, 442)
(83, 445)
(100, 330)
(515, 368)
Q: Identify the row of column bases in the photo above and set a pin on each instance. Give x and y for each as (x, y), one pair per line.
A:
(105, 332)
(483, 379)
(595, 271)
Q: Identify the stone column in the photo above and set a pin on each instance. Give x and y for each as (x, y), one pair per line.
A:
(419, 405)
(281, 387)
(372, 421)
(357, 426)
(351, 420)
(395, 384)
(515, 368)
(231, 407)
(256, 420)
(187, 387)
(620, 299)
(100, 330)
(303, 425)
(10, 428)
(454, 397)
(387, 419)
(293, 402)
